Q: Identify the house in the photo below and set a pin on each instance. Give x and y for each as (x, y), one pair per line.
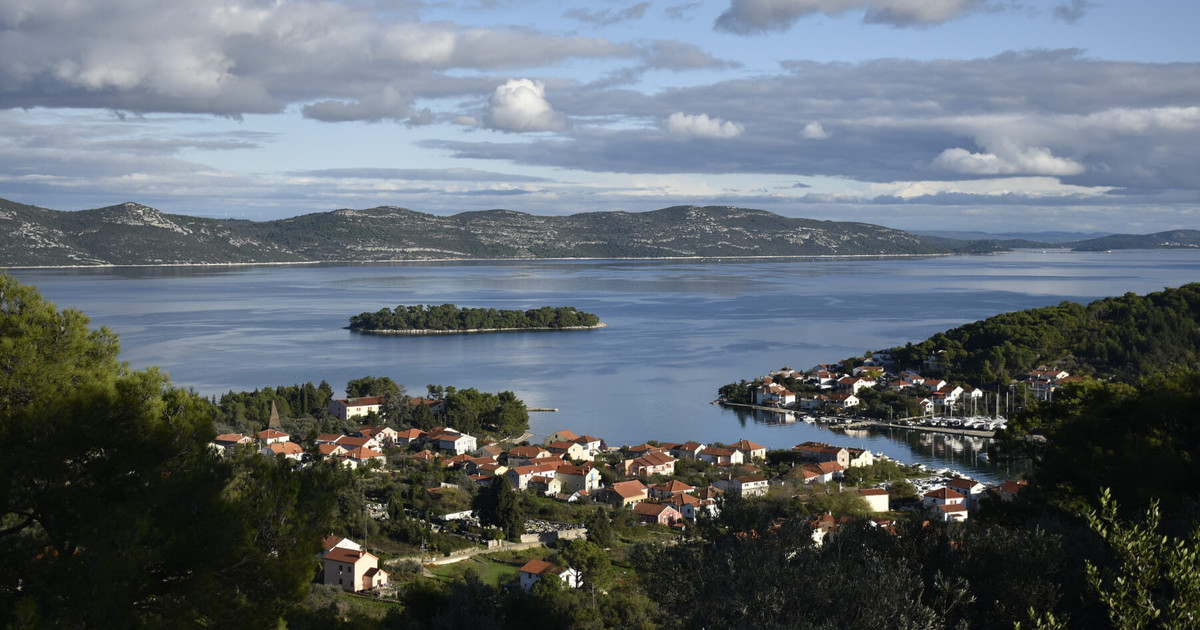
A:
(627, 493)
(822, 452)
(722, 456)
(350, 442)
(643, 448)
(561, 436)
(409, 436)
(750, 450)
(353, 569)
(289, 450)
(328, 450)
(226, 441)
(583, 478)
(942, 496)
(424, 456)
(952, 512)
(687, 450)
(526, 455)
(656, 463)
(346, 408)
(810, 403)
(668, 489)
(844, 401)
(745, 485)
(362, 456)
(271, 436)
(535, 570)
(386, 436)
(593, 444)
(657, 514)
(773, 394)
(519, 476)
(435, 406)
(1009, 490)
(971, 490)
(570, 450)
(546, 484)
(859, 457)
(453, 441)
(877, 498)
(855, 383)
(821, 472)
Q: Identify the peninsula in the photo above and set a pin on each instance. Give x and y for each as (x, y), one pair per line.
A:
(449, 319)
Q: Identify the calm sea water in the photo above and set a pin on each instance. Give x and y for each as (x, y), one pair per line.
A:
(677, 329)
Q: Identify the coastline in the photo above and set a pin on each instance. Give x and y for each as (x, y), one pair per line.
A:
(730, 258)
(858, 423)
(468, 331)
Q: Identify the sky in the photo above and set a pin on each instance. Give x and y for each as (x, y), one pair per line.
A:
(990, 115)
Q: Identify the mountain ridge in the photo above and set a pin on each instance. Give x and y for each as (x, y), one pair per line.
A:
(135, 234)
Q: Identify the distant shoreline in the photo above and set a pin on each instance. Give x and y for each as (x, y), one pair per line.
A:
(468, 331)
(492, 260)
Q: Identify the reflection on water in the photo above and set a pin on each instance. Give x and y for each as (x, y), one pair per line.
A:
(936, 450)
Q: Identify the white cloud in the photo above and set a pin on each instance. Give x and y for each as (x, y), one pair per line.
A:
(521, 105)
(814, 131)
(701, 125)
(1023, 161)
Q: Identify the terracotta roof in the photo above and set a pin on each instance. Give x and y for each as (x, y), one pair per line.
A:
(539, 567)
(652, 509)
(270, 434)
(363, 452)
(965, 484)
(285, 448)
(230, 437)
(944, 494)
(953, 507)
(628, 489)
(566, 435)
(349, 556)
(425, 454)
(365, 401)
(747, 445)
(872, 492)
(673, 485)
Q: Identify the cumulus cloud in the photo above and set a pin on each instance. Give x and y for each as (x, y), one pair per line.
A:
(520, 105)
(234, 57)
(1024, 161)
(703, 126)
(814, 131)
(762, 16)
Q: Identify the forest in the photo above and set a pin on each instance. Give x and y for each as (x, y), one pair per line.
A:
(1116, 338)
(449, 317)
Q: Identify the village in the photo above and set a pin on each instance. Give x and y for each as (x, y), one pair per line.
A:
(665, 486)
(840, 392)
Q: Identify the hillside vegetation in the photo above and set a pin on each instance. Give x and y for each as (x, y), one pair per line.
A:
(1120, 338)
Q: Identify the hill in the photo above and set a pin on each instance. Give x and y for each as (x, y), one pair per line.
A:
(1117, 338)
(1171, 239)
(133, 234)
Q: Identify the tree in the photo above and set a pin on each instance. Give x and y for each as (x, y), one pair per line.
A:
(595, 569)
(108, 479)
(1156, 580)
(374, 386)
(500, 506)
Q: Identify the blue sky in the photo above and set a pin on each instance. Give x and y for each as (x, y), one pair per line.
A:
(993, 115)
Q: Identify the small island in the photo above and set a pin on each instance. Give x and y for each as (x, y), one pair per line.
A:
(449, 319)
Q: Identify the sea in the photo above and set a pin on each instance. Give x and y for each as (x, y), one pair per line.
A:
(677, 330)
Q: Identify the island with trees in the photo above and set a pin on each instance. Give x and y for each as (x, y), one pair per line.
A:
(450, 319)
